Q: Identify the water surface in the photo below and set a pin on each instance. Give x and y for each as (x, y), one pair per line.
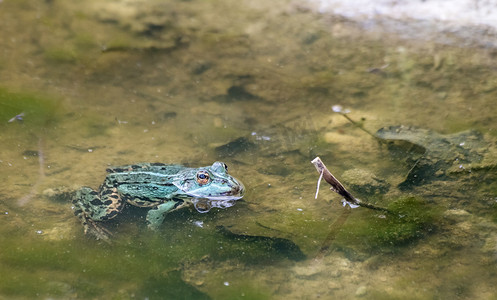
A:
(251, 84)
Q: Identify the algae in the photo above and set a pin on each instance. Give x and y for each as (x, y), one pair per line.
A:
(169, 286)
(39, 112)
(409, 219)
(151, 263)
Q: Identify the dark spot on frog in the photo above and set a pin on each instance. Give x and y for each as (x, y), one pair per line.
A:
(96, 202)
(142, 199)
(112, 214)
(104, 192)
(178, 202)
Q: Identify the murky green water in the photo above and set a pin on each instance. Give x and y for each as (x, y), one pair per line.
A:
(251, 84)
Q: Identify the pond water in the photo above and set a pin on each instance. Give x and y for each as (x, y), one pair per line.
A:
(90, 84)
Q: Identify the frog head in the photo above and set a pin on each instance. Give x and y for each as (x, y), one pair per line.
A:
(212, 183)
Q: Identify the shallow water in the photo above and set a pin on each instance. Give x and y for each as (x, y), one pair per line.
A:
(250, 84)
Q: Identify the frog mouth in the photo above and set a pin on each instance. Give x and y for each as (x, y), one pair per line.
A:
(226, 196)
(203, 203)
(236, 193)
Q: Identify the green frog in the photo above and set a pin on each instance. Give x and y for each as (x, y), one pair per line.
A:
(159, 187)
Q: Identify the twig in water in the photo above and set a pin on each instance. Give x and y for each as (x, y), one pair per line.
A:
(337, 187)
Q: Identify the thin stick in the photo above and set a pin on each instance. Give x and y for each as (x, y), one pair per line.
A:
(337, 187)
(319, 183)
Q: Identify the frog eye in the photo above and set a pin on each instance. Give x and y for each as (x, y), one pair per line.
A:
(225, 167)
(202, 177)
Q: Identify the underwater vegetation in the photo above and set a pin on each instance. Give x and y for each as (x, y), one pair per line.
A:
(153, 262)
(409, 219)
(379, 228)
(32, 110)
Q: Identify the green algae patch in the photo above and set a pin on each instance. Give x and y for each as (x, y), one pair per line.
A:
(90, 269)
(410, 219)
(169, 286)
(33, 111)
(61, 55)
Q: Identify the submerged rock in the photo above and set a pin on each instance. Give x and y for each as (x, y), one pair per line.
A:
(364, 181)
(269, 247)
(434, 156)
(295, 135)
(236, 93)
(410, 219)
(235, 147)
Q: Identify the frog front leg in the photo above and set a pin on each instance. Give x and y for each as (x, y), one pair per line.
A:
(155, 216)
(91, 207)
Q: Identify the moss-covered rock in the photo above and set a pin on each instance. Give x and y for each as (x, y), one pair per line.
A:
(368, 231)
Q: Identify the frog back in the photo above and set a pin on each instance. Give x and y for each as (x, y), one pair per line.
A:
(159, 168)
(144, 184)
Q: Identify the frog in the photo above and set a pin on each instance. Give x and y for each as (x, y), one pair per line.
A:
(160, 188)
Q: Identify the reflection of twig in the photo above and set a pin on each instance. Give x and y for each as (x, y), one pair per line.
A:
(360, 126)
(335, 228)
(339, 109)
(337, 187)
